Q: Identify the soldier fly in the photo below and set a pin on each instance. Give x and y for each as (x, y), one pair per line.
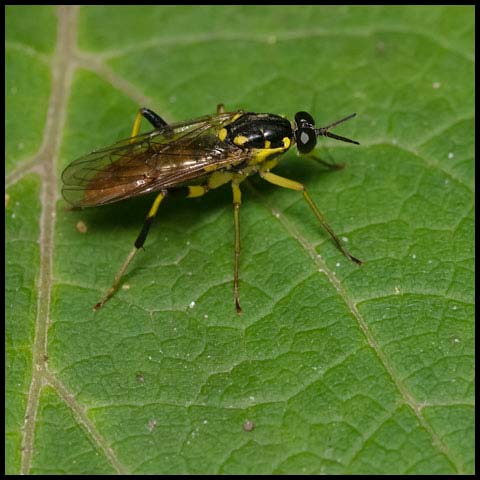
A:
(193, 157)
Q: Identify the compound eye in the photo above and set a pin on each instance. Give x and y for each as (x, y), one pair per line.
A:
(306, 139)
(302, 119)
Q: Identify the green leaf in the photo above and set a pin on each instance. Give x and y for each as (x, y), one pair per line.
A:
(342, 369)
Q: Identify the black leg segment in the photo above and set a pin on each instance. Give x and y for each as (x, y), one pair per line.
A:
(153, 118)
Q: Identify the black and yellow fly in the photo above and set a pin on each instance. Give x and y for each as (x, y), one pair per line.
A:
(193, 157)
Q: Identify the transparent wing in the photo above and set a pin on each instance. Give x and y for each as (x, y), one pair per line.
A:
(160, 159)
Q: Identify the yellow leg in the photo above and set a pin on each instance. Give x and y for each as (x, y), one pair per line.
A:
(197, 191)
(293, 185)
(215, 181)
(136, 125)
(138, 244)
(237, 201)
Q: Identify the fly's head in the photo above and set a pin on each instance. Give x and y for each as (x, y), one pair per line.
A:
(306, 134)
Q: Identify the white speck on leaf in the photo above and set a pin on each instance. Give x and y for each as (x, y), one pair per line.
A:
(414, 256)
(345, 239)
(248, 425)
(192, 304)
(271, 39)
(151, 424)
(436, 85)
(81, 226)
(451, 155)
(397, 291)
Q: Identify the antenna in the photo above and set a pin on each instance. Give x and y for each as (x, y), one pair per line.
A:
(324, 131)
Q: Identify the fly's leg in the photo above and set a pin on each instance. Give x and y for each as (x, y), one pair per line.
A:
(214, 181)
(197, 190)
(293, 185)
(138, 244)
(153, 118)
(190, 192)
(330, 166)
(156, 121)
(237, 201)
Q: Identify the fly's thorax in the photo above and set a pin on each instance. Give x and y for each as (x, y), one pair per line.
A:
(258, 130)
(264, 135)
